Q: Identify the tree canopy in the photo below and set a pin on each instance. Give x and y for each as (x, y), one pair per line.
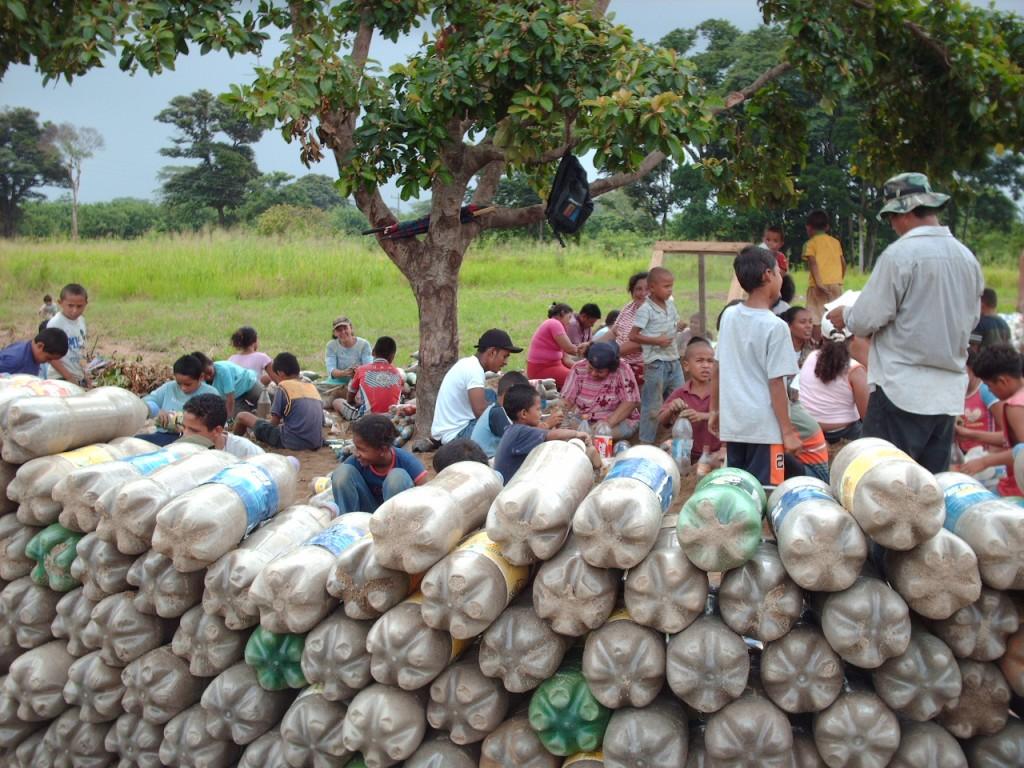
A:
(27, 160)
(506, 87)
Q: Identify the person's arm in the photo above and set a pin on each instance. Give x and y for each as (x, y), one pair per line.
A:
(331, 363)
(266, 377)
(640, 339)
(229, 403)
(62, 369)
(877, 304)
(669, 411)
(996, 439)
(477, 401)
(1015, 425)
(780, 407)
(566, 434)
(812, 263)
(622, 412)
(713, 413)
(858, 379)
(366, 356)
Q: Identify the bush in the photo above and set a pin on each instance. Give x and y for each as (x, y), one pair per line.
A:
(292, 221)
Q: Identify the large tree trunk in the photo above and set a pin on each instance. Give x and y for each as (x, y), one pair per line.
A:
(438, 303)
(74, 208)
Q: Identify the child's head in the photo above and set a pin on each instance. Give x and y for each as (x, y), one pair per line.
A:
(603, 358)
(589, 314)
(699, 360)
(787, 291)
(522, 404)
(49, 344)
(509, 380)
(611, 317)
(373, 436)
(817, 221)
(800, 322)
(47, 299)
(244, 338)
(758, 272)
(205, 415)
(209, 372)
(385, 348)
(286, 366)
(972, 377)
(659, 283)
(73, 299)
(773, 237)
(989, 300)
(999, 366)
(462, 449)
(188, 373)
(638, 286)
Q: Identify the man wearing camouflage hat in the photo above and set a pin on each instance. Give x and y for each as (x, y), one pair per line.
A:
(918, 307)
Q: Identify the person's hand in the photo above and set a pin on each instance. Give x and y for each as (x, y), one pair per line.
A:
(584, 437)
(836, 318)
(974, 466)
(165, 418)
(791, 440)
(664, 341)
(692, 415)
(961, 430)
(713, 422)
(553, 420)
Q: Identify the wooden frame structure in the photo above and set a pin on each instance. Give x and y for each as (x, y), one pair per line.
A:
(700, 249)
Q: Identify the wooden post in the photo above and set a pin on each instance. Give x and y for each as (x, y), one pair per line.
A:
(702, 294)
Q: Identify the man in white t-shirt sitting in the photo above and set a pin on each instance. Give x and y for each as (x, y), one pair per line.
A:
(463, 393)
(204, 418)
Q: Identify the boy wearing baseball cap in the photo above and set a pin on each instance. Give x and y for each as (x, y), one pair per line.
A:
(462, 396)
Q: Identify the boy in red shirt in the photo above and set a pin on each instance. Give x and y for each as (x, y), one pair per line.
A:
(693, 399)
(375, 386)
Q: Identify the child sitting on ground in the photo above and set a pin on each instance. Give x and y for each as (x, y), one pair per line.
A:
(237, 385)
(166, 402)
(204, 418)
(48, 310)
(248, 354)
(375, 386)
(755, 357)
(493, 422)
(28, 356)
(1000, 367)
(522, 404)
(460, 449)
(296, 415)
(377, 470)
(693, 399)
(977, 426)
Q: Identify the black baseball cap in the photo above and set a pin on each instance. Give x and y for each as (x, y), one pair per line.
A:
(603, 355)
(497, 338)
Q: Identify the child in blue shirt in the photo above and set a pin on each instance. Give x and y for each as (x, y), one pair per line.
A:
(377, 470)
(522, 404)
(167, 401)
(239, 386)
(494, 421)
(28, 356)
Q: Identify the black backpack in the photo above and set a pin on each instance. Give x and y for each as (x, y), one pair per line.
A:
(569, 204)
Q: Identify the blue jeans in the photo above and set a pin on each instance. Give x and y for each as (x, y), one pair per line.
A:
(661, 377)
(352, 494)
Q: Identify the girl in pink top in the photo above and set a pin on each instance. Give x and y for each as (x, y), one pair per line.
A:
(551, 352)
(248, 355)
(630, 352)
(834, 387)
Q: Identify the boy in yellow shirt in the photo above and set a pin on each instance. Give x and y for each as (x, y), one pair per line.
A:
(824, 257)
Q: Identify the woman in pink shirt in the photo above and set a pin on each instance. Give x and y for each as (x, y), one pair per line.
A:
(834, 386)
(551, 352)
(629, 351)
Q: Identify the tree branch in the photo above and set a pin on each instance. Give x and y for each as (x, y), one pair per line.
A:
(916, 30)
(738, 97)
(488, 182)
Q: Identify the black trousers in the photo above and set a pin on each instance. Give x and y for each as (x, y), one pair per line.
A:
(928, 439)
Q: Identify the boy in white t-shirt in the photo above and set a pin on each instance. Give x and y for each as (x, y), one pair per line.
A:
(755, 357)
(205, 416)
(72, 367)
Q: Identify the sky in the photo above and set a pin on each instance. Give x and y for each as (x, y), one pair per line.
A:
(122, 107)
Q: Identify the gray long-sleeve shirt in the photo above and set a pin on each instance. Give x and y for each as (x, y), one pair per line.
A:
(919, 307)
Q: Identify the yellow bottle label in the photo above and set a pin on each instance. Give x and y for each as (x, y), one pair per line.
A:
(516, 576)
(860, 466)
(620, 615)
(415, 597)
(458, 646)
(321, 484)
(87, 456)
(580, 757)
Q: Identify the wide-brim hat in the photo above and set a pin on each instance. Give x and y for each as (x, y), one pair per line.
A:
(907, 191)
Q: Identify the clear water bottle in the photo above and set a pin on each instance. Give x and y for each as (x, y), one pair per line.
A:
(603, 439)
(682, 443)
(704, 463)
(584, 427)
(263, 405)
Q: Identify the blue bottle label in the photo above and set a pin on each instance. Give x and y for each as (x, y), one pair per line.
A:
(148, 463)
(960, 497)
(256, 489)
(335, 539)
(788, 501)
(647, 472)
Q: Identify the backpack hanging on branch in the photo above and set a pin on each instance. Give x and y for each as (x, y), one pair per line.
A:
(569, 204)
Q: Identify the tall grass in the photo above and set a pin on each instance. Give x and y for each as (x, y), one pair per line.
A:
(165, 295)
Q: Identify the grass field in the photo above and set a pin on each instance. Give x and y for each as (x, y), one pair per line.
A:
(160, 297)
